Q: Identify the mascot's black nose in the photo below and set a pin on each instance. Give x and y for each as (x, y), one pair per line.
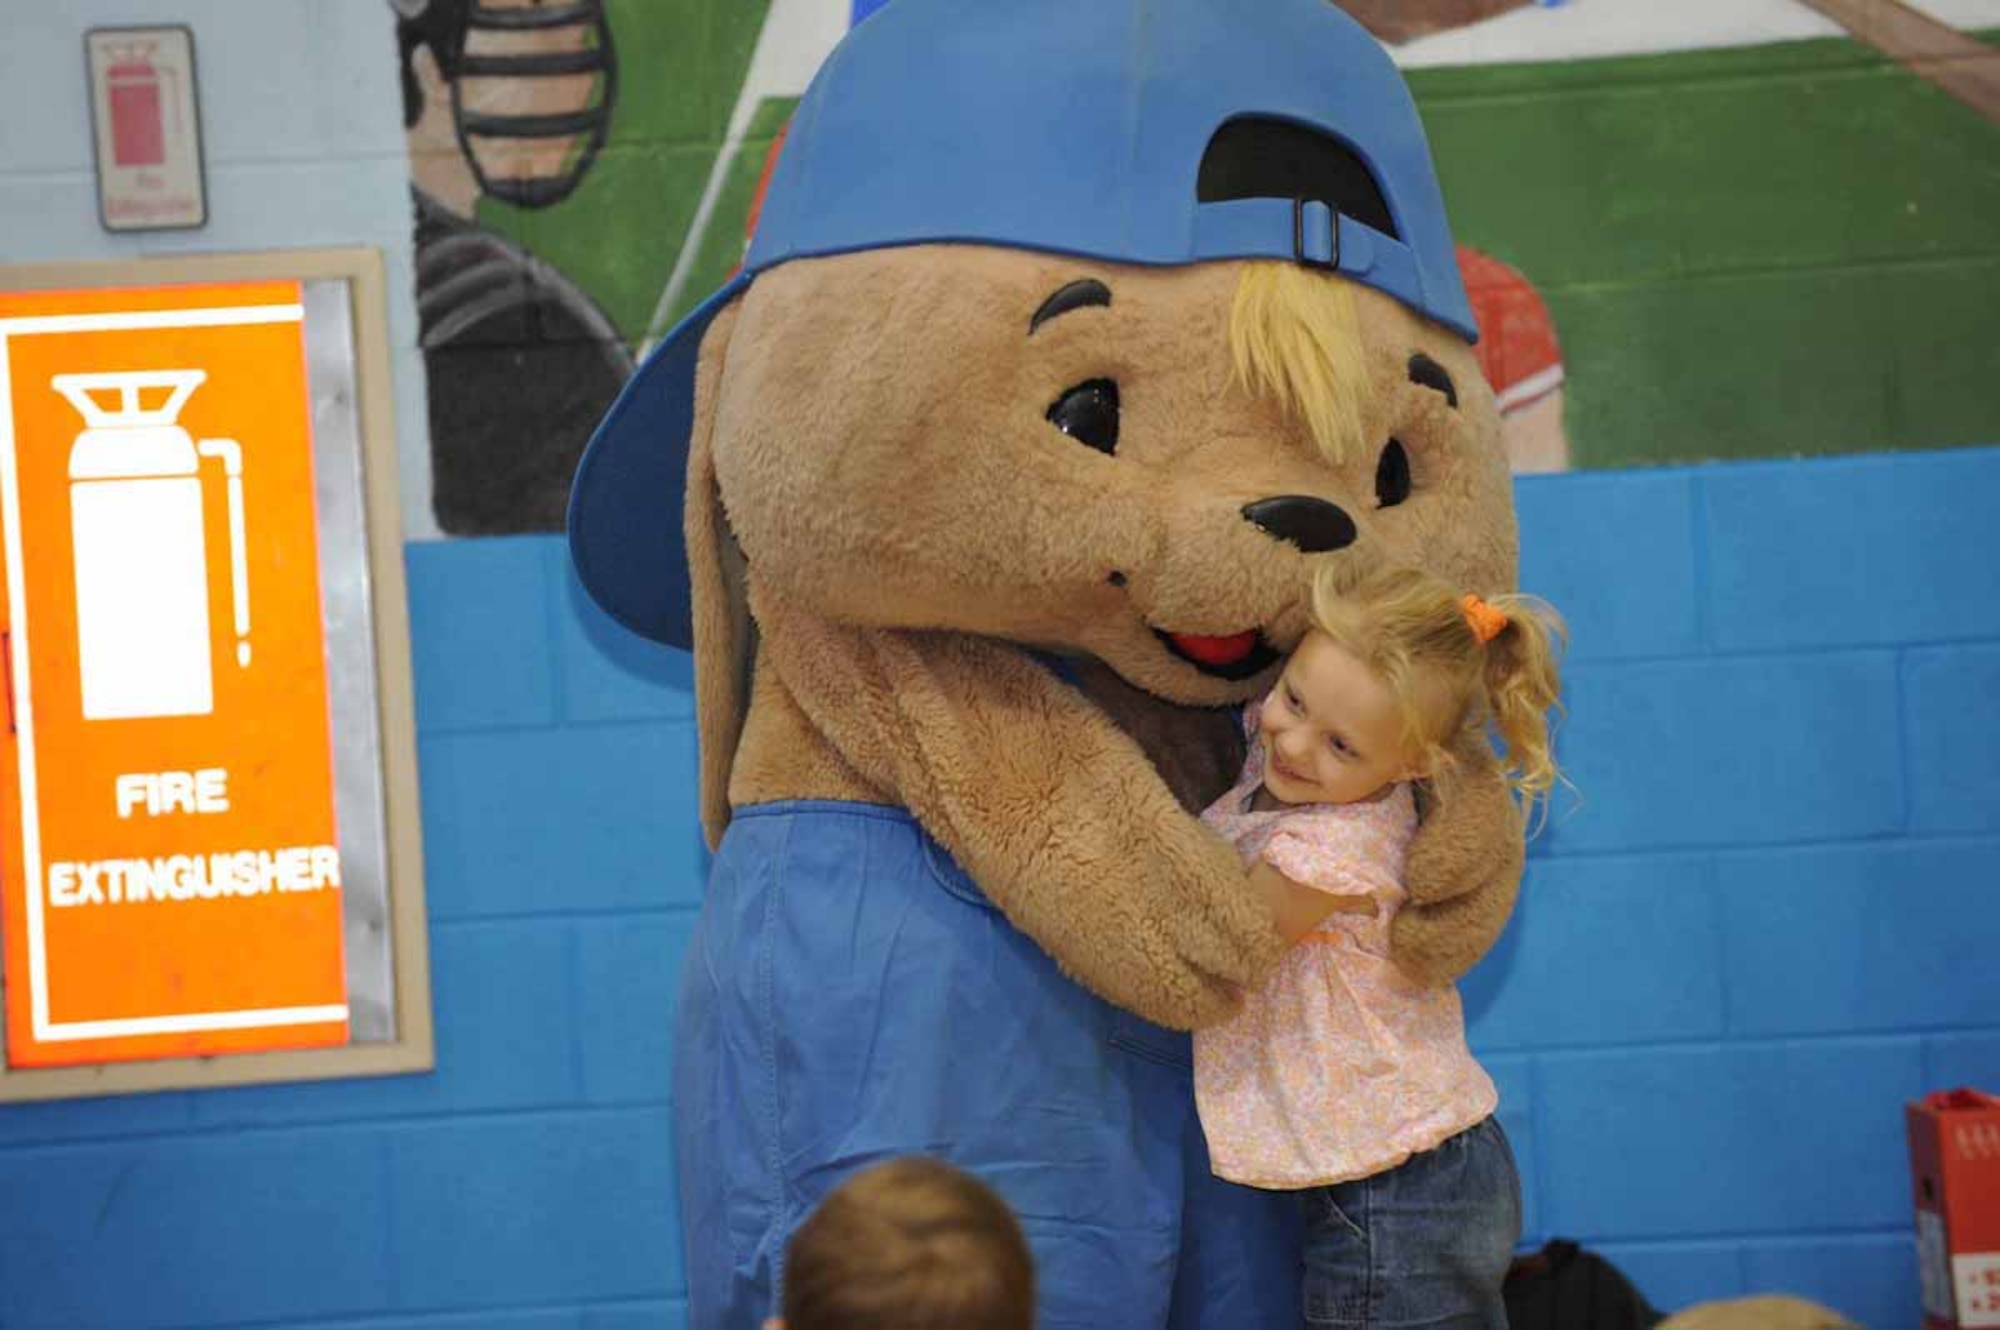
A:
(1314, 525)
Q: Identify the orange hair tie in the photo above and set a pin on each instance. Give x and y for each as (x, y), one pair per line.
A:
(1485, 622)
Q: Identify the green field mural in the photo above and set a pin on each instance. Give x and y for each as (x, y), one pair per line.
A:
(1719, 229)
(1789, 249)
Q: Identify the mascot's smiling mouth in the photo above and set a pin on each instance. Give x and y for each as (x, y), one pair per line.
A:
(1235, 657)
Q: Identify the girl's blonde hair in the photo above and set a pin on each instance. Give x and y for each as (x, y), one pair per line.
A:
(1415, 633)
(912, 1244)
(1295, 338)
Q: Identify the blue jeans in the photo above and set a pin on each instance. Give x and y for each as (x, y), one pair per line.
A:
(1425, 1244)
(850, 995)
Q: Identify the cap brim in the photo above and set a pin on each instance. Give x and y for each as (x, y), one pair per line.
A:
(625, 529)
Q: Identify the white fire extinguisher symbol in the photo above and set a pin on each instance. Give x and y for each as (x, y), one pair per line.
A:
(141, 559)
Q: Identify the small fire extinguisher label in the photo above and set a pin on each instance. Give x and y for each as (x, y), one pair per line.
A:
(147, 118)
(1977, 1277)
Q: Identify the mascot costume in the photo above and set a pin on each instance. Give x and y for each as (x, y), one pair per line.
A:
(1073, 338)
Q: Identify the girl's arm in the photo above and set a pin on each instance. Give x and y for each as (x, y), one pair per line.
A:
(1299, 909)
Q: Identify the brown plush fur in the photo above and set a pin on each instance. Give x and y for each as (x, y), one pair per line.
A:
(1759, 1313)
(874, 476)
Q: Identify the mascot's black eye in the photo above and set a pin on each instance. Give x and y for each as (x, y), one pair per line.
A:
(1392, 475)
(1088, 413)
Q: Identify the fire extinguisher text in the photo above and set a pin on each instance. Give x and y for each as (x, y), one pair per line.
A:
(160, 792)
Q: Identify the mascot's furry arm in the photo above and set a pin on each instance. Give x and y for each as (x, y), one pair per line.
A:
(1463, 874)
(1055, 812)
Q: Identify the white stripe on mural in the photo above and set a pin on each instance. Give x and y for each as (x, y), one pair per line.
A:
(798, 35)
(1582, 29)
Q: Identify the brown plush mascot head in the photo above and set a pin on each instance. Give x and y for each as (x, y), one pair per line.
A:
(1140, 465)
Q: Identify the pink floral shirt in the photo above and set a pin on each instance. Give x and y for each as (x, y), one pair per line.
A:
(1340, 1068)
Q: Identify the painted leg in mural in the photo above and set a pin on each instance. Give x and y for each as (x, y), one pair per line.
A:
(1962, 65)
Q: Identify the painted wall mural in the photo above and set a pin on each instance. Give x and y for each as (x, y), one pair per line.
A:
(1706, 230)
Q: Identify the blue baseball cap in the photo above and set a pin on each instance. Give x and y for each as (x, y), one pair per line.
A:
(1162, 132)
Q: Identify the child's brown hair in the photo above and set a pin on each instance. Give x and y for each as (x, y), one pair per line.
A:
(1456, 663)
(913, 1244)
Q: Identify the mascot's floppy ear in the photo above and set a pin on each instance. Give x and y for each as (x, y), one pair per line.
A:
(677, 583)
(724, 636)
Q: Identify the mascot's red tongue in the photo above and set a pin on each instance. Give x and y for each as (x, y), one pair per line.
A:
(1216, 650)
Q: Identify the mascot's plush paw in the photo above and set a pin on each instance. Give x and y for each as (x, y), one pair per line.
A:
(1463, 874)
(1206, 938)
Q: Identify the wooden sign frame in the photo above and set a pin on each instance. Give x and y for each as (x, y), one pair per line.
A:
(386, 839)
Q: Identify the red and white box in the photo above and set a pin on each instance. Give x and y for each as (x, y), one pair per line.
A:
(1955, 1176)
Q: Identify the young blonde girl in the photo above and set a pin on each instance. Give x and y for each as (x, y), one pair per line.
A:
(1343, 1079)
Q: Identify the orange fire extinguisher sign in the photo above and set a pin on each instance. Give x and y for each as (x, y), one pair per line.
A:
(169, 860)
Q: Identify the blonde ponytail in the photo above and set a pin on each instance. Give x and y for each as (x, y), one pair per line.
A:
(1523, 686)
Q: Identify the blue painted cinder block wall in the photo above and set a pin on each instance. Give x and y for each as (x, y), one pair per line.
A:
(1773, 914)
(1770, 917)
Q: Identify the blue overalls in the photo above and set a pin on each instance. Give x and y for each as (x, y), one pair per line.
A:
(850, 996)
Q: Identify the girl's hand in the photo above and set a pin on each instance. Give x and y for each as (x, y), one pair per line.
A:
(1298, 909)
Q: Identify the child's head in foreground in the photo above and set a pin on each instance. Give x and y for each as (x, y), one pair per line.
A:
(913, 1244)
(1397, 668)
